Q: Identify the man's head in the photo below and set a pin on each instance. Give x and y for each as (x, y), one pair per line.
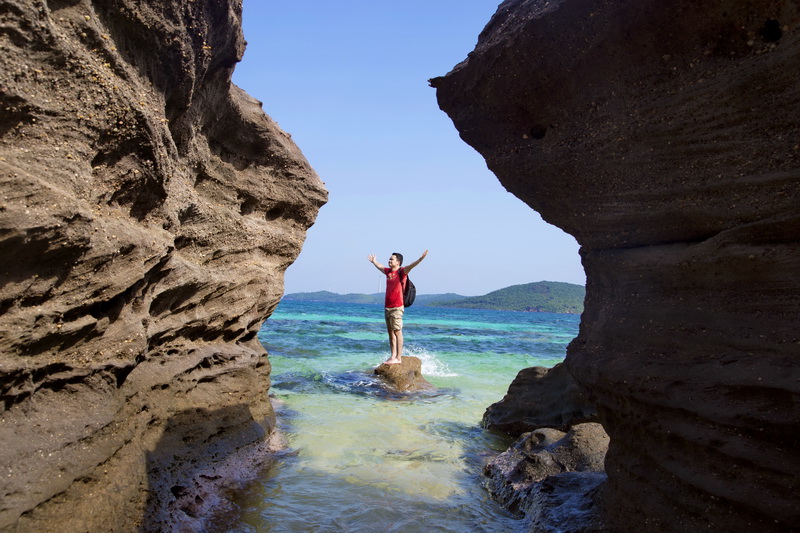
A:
(396, 258)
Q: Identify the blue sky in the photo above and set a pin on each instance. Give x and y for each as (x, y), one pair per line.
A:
(349, 81)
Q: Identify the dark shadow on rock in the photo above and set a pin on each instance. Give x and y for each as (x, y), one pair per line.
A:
(552, 477)
(554, 473)
(540, 397)
(201, 458)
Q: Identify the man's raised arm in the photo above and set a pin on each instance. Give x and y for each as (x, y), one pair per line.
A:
(371, 258)
(415, 263)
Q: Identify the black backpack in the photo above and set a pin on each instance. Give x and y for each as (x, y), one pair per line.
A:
(409, 292)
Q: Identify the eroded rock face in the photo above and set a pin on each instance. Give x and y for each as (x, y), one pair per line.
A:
(149, 211)
(664, 137)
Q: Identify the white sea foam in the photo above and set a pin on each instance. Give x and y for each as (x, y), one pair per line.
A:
(431, 365)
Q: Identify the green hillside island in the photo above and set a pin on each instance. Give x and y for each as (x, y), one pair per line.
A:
(539, 297)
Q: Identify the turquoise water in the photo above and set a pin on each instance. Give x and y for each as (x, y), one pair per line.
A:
(361, 458)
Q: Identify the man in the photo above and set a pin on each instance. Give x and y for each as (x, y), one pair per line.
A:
(396, 277)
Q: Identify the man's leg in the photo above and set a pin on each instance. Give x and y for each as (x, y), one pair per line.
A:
(392, 344)
(398, 340)
(390, 330)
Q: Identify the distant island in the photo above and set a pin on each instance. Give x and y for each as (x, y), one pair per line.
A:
(538, 297)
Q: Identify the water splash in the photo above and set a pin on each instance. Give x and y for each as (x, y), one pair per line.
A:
(431, 365)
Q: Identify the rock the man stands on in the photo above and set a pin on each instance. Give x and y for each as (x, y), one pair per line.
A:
(396, 276)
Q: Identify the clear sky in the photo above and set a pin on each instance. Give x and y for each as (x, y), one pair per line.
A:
(349, 81)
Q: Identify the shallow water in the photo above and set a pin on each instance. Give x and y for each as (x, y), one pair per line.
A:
(361, 458)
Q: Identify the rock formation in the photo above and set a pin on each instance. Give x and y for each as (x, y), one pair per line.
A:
(553, 474)
(539, 398)
(547, 465)
(665, 137)
(405, 376)
(149, 210)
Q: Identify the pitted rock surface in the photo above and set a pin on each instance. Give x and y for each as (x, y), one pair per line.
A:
(665, 137)
(149, 211)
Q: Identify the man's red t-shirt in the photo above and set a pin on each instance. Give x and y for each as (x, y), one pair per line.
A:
(394, 287)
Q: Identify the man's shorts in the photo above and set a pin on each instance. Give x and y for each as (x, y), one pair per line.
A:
(394, 318)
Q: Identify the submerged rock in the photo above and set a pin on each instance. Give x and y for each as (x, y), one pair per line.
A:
(664, 137)
(540, 397)
(405, 376)
(150, 209)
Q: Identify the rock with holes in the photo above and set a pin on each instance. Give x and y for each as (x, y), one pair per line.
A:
(664, 136)
(149, 210)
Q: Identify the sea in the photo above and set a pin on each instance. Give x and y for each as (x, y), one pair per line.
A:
(363, 458)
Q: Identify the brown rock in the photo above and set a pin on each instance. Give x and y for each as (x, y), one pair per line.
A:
(149, 210)
(405, 376)
(539, 397)
(516, 475)
(664, 137)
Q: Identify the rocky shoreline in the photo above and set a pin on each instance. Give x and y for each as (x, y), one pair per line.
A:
(553, 474)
